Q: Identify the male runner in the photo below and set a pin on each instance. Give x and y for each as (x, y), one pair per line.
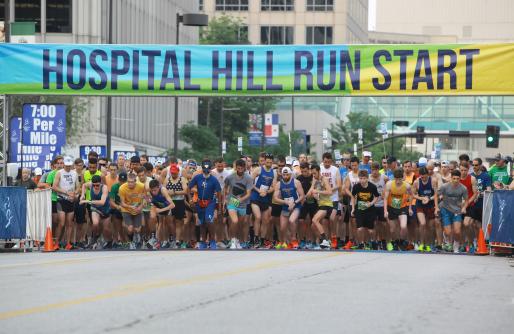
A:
(470, 183)
(309, 207)
(119, 233)
(352, 178)
(221, 174)
(162, 204)
(381, 227)
(177, 188)
(331, 172)
(322, 192)
(100, 211)
(453, 206)
(132, 196)
(425, 193)
(364, 197)
(483, 184)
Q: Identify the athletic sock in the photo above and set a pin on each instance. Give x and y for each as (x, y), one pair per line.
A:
(323, 236)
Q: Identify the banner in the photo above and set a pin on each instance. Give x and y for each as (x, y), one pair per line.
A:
(422, 69)
(13, 212)
(503, 217)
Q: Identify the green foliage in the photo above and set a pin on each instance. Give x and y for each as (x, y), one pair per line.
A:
(224, 30)
(344, 135)
(202, 140)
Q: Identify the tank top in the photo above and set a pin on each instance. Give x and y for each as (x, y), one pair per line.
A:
(380, 184)
(288, 190)
(331, 174)
(105, 209)
(159, 200)
(175, 185)
(354, 179)
(263, 181)
(323, 200)
(67, 182)
(398, 197)
(425, 190)
(467, 183)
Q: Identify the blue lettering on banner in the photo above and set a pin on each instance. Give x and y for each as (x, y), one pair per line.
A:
(44, 124)
(254, 138)
(127, 154)
(85, 149)
(33, 155)
(13, 212)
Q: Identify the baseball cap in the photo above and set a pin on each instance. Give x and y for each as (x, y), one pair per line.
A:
(68, 161)
(499, 156)
(390, 160)
(286, 170)
(206, 164)
(122, 176)
(422, 162)
(174, 168)
(296, 163)
(96, 179)
(366, 154)
(445, 163)
(38, 171)
(192, 163)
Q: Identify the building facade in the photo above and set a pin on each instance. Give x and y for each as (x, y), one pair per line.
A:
(141, 123)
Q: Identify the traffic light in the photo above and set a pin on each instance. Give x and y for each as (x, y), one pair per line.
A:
(492, 136)
(420, 134)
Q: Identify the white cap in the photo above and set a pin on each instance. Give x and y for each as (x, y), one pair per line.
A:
(366, 154)
(422, 162)
(296, 163)
(286, 170)
(38, 171)
(68, 161)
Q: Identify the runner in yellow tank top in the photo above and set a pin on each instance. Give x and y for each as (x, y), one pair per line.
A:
(398, 195)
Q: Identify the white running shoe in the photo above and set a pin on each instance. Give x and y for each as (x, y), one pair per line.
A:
(325, 244)
(233, 243)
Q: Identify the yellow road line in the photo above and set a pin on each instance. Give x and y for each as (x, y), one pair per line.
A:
(140, 288)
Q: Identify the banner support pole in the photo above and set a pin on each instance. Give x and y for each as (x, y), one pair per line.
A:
(5, 138)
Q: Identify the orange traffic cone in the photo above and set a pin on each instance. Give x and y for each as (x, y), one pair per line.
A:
(482, 247)
(49, 242)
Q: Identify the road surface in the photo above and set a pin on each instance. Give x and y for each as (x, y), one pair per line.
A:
(255, 292)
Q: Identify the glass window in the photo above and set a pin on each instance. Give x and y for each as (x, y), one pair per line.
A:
(277, 5)
(200, 5)
(58, 16)
(28, 11)
(2, 11)
(242, 33)
(231, 5)
(277, 35)
(320, 5)
(319, 35)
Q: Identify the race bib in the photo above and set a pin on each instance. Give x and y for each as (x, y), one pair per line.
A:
(396, 203)
(289, 199)
(362, 205)
(263, 187)
(234, 201)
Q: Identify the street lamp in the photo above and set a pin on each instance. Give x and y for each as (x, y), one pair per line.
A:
(192, 20)
(397, 123)
(222, 121)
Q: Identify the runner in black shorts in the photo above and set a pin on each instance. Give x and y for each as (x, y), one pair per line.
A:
(322, 192)
(177, 188)
(365, 195)
(309, 208)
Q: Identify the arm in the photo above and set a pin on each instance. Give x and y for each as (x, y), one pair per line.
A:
(328, 188)
(277, 196)
(353, 200)
(475, 191)
(102, 200)
(299, 190)
(464, 201)
(436, 201)
(387, 190)
(346, 186)
(338, 181)
(415, 193)
(166, 195)
(409, 192)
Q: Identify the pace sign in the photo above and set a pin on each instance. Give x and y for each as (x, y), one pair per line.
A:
(44, 124)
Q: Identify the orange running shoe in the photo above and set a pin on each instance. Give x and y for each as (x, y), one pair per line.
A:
(68, 246)
(295, 244)
(334, 243)
(348, 245)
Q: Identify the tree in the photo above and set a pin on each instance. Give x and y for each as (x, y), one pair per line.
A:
(345, 134)
(202, 140)
(224, 30)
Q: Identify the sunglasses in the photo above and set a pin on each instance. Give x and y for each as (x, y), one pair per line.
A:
(476, 165)
(96, 185)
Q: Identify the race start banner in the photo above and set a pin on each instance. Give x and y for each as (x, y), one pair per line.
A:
(196, 70)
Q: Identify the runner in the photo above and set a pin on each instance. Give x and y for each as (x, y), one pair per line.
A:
(80, 209)
(499, 173)
(453, 206)
(364, 197)
(177, 188)
(100, 211)
(264, 177)
(221, 174)
(289, 193)
(352, 178)
(162, 204)
(48, 180)
(483, 184)
(322, 192)
(366, 162)
(398, 195)
(308, 210)
(381, 227)
(412, 222)
(276, 207)
(470, 183)
(132, 196)
(208, 189)
(425, 193)
(119, 232)
(149, 228)
(331, 172)
(66, 187)
(238, 188)
(445, 172)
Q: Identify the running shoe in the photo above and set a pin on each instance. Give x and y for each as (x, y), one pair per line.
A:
(68, 246)
(302, 244)
(183, 245)
(419, 248)
(238, 245)
(348, 245)
(233, 244)
(165, 244)
(428, 249)
(213, 245)
(325, 244)
(132, 245)
(315, 246)
(295, 244)
(390, 247)
(221, 245)
(267, 245)
(201, 245)
(309, 245)
(279, 245)
(334, 243)
(409, 247)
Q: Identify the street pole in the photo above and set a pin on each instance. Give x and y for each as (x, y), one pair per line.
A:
(175, 120)
(108, 118)
(7, 102)
(262, 125)
(292, 113)
(392, 139)
(221, 126)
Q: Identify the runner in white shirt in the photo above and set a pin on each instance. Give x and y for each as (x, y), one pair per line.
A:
(331, 172)
(381, 228)
(221, 174)
(66, 186)
(352, 179)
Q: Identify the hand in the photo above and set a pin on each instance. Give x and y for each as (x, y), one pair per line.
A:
(436, 212)
(463, 211)
(386, 214)
(291, 206)
(410, 211)
(353, 213)
(263, 193)
(425, 200)
(315, 192)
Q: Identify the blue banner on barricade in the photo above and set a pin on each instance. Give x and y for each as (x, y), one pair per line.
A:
(13, 212)
(503, 217)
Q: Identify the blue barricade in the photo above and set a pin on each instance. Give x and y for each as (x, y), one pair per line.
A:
(503, 217)
(13, 212)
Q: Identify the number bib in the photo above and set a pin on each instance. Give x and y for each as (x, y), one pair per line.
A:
(396, 203)
(361, 205)
(234, 201)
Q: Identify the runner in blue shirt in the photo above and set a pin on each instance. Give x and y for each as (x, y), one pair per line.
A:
(208, 188)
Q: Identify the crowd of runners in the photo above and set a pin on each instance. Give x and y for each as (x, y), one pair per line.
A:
(270, 203)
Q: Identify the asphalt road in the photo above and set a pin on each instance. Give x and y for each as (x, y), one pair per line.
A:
(255, 292)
